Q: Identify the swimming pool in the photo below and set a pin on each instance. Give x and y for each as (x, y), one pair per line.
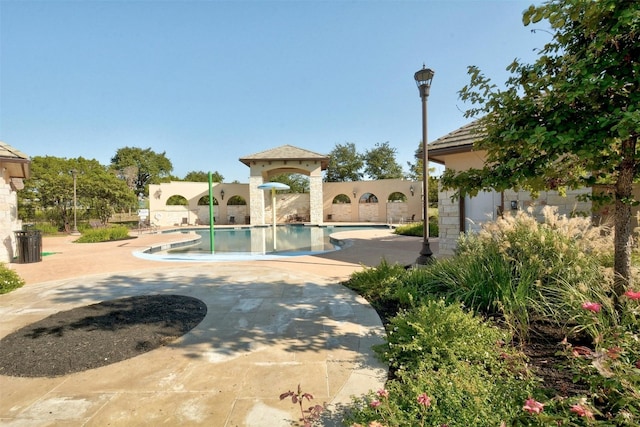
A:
(241, 243)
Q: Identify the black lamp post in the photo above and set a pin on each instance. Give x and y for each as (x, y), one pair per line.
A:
(423, 80)
(75, 231)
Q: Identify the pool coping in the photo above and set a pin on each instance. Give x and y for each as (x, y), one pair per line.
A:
(151, 253)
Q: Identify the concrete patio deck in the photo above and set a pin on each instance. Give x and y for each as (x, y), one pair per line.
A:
(270, 325)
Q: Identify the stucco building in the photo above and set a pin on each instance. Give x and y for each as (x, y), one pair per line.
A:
(15, 167)
(455, 151)
(383, 201)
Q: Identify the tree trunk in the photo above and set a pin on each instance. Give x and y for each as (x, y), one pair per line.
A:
(623, 235)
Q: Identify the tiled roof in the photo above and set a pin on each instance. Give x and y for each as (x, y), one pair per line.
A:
(286, 152)
(8, 152)
(458, 141)
(15, 162)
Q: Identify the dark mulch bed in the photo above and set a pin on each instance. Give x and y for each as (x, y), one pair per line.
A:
(98, 335)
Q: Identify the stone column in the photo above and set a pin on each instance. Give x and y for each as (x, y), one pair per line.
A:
(315, 201)
(256, 200)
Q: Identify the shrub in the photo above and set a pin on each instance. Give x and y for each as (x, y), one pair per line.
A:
(47, 228)
(435, 334)
(461, 363)
(522, 269)
(415, 228)
(377, 285)
(9, 280)
(104, 234)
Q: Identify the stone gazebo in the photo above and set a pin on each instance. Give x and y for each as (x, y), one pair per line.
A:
(285, 159)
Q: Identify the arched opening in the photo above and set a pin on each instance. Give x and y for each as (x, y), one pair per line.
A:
(397, 197)
(237, 201)
(368, 198)
(340, 208)
(180, 209)
(397, 209)
(177, 200)
(341, 199)
(237, 210)
(204, 201)
(368, 208)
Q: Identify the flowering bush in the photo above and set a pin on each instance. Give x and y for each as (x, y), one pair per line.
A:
(451, 366)
(449, 362)
(9, 280)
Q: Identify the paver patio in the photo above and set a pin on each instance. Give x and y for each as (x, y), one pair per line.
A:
(269, 326)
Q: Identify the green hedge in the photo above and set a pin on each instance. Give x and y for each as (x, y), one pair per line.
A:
(104, 234)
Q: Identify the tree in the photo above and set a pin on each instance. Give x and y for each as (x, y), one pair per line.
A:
(415, 174)
(141, 167)
(569, 120)
(381, 163)
(345, 164)
(297, 183)
(50, 189)
(200, 176)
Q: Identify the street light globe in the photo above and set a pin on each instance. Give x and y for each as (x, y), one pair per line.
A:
(424, 76)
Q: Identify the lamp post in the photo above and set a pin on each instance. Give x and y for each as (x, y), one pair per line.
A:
(75, 231)
(423, 79)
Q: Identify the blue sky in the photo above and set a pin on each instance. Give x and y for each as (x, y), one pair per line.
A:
(209, 82)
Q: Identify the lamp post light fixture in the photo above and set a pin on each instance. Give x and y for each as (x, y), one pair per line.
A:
(75, 231)
(423, 79)
(222, 194)
(412, 190)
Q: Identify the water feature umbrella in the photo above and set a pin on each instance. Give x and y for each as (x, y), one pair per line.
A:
(273, 186)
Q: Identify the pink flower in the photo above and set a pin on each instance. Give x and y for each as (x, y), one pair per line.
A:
(582, 411)
(532, 406)
(375, 403)
(632, 295)
(592, 306)
(375, 424)
(383, 392)
(424, 400)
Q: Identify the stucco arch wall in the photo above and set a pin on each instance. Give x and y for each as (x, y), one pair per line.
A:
(193, 192)
(288, 205)
(382, 189)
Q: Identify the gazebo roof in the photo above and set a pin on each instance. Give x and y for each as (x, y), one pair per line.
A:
(459, 141)
(288, 153)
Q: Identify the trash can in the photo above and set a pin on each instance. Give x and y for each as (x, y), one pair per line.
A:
(29, 246)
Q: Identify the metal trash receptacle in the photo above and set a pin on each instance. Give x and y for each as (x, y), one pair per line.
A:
(29, 246)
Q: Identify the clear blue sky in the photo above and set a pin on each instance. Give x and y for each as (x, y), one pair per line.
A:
(209, 82)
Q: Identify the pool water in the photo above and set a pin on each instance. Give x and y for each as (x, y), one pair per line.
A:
(259, 240)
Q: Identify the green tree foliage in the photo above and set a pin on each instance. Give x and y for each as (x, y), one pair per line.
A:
(50, 190)
(297, 183)
(141, 167)
(381, 163)
(201, 176)
(345, 164)
(571, 118)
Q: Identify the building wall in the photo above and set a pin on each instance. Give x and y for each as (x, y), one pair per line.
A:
(289, 207)
(449, 210)
(9, 221)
